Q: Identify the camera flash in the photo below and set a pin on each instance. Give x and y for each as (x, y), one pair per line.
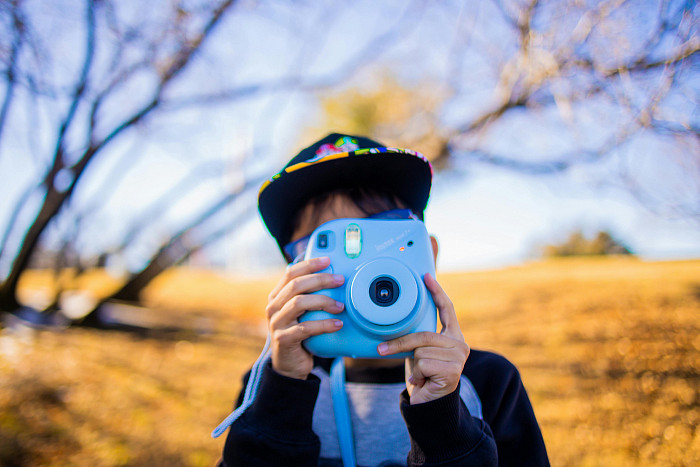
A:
(353, 241)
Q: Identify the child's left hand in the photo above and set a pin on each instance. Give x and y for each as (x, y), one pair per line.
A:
(438, 359)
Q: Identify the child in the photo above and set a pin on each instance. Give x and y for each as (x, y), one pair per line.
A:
(445, 406)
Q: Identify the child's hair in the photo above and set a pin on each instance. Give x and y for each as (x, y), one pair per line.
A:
(369, 200)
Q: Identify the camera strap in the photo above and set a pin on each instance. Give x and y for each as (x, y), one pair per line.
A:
(341, 410)
(251, 391)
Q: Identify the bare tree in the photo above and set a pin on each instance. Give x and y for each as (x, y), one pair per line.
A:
(539, 88)
(533, 87)
(178, 248)
(83, 131)
(598, 80)
(123, 48)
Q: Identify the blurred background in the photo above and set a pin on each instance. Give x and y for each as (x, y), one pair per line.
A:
(134, 268)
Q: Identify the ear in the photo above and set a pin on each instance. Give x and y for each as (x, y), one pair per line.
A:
(434, 244)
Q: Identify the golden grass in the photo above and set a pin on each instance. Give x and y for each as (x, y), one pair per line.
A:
(609, 350)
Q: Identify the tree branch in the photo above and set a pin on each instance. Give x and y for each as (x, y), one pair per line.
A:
(54, 198)
(18, 28)
(175, 251)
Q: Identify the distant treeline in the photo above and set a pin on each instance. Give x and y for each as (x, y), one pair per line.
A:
(577, 244)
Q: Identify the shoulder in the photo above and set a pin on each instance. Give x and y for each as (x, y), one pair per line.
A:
(495, 379)
(506, 408)
(488, 365)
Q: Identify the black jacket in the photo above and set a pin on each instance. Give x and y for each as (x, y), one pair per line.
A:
(277, 428)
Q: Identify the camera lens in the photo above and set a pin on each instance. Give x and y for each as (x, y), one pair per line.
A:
(384, 295)
(384, 291)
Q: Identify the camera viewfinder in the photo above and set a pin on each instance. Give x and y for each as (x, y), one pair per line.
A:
(323, 241)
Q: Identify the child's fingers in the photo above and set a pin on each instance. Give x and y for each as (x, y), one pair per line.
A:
(414, 377)
(442, 376)
(410, 342)
(428, 346)
(299, 304)
(301, 286)
(302, 268)
(289, 358)
(446, 310)
(439, 353)
(294, 335)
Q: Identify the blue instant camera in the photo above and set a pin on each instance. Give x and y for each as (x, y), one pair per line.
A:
(383, 262)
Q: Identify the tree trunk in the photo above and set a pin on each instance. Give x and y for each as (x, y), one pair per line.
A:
(52, 203)
(169, 255)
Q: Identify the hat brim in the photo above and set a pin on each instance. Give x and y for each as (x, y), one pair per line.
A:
(405, 173)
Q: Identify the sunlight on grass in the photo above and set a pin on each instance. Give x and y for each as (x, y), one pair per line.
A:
(609, 350)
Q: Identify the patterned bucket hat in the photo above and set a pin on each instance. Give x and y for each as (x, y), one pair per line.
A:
(342, 161)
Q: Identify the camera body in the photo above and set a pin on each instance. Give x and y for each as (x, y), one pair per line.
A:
(383, 262)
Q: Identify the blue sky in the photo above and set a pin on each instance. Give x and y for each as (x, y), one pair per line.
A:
(499, 218)
(483, 216)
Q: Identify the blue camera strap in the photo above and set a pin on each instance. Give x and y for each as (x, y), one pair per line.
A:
(341, 410)
(341, 407)
(251, 391)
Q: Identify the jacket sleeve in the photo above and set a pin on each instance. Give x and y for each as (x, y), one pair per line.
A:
(507, 410)
(443, 433)
(277, 426)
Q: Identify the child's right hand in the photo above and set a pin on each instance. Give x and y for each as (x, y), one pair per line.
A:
(287, 302)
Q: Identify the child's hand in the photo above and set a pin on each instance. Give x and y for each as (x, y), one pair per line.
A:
(287, 302)
(438, 359)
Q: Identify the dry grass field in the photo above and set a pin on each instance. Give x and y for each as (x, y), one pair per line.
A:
(609, 350)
